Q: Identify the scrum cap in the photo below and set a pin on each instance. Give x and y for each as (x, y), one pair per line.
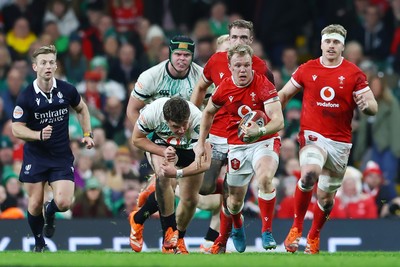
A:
(181, 42)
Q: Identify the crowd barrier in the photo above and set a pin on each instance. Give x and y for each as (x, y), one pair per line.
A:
(113, 235)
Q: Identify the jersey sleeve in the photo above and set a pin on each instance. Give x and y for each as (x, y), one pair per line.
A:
(145, 122)
(361, 85)
(207, 70)
(75, 96)
(217, 97)
(144, 88)
(21, 110)
(268, 91)
(296, 77)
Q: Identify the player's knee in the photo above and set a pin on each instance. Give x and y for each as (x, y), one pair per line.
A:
(309, 179)
(63, 204)
(327, 204)
(190, 202)
(207, 188)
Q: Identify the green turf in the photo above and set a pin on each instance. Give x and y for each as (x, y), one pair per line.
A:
(102, 258)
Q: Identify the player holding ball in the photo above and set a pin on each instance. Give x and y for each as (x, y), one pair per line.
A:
(241, 94)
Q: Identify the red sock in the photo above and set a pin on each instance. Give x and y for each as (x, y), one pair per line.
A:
(320, 217)
(301, 201)
(267, 213)
(225, 227)
(219, 186)
(237, 220)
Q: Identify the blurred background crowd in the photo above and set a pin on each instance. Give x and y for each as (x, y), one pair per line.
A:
(103, 46)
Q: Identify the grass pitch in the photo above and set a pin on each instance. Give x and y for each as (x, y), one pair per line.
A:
(156, 259)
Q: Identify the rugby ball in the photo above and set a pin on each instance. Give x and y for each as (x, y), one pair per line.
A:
(258, 117)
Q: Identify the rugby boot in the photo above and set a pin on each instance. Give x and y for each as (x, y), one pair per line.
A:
(268, 241)
(136, 236)
(171, 238)
(292, 240)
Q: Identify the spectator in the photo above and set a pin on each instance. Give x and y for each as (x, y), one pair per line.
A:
(63, 16)
(60, 41)
(74, 61)
(373, 36)
(20, 38)
(377, 136)
(106, 86)
(14, 85)
(127, 68)
(125, 14)
(114, 120)
(91, 204)
(218, 19)
(350, 201)
(5, 63)
(33, 11)
(8, 212)
(292, 118)
(375, 184)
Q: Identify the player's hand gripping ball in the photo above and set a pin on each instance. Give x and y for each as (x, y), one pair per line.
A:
(257, 116)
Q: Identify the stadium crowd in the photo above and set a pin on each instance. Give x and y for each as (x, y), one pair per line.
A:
(103, 46)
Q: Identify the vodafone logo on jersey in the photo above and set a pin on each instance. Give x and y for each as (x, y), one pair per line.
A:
(327, 94)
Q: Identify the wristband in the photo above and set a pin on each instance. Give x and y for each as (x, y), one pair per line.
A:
(262, 131)
(41, 135)
(88, 134)
(179, 173)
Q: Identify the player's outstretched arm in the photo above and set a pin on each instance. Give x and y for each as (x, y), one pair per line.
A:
(133, 109)
(287, 92)
(170, 171)
(199, 92)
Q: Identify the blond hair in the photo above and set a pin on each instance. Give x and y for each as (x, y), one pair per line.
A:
(241, 50)
(222, 39)
(334, 28)
(43, 50)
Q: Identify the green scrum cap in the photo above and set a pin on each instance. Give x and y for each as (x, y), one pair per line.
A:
(181, 42)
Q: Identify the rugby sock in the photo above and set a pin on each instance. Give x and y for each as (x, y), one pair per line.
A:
(181, 234)
(320, 217)
(237, 220)
(52, 208)
(302, 198)
(219, 186)
(168, 221)
(149, 208)
(266, 202)
(225, 227)
(211, 234)
(36, 223)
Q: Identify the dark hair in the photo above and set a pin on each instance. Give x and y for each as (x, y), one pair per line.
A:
(176, 109)
(243, 24)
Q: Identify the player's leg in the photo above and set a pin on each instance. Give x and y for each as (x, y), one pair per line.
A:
(213, 184)
(35, 193)
(166, 204)
(211, 203)
(235, 203)
(328, 184)
(312, 160)
(188, 199)
(63, 192)
(265, 169)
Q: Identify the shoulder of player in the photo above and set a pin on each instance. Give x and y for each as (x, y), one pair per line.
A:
(155, 70)
(196, 67)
